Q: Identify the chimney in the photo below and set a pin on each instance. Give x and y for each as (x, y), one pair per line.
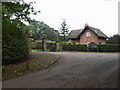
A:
(86, 25)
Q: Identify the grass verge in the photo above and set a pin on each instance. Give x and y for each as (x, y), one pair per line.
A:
(36, 61)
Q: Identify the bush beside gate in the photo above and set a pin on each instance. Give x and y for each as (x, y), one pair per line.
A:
(15, 46)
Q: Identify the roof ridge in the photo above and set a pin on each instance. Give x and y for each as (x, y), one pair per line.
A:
(77, 29)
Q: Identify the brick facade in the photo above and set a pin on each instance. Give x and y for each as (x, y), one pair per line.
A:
(93, 38)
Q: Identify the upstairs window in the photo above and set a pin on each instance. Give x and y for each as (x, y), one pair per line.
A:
(88, 34)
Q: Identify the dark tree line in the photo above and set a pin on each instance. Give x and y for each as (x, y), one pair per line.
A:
(115, 39)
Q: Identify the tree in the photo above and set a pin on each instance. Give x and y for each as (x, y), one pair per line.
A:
(115, 39)
(38, 28)
(63, 30)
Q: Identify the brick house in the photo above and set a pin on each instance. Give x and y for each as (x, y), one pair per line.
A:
(87, 35)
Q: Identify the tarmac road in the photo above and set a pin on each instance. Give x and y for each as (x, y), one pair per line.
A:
(73, 70)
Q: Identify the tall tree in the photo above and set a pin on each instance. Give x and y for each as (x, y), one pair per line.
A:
(63, 30)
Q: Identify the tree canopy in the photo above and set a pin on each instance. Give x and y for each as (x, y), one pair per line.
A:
(38, 28)
(19, 10)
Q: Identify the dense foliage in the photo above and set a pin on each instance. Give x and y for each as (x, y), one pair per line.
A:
(14, 35)
(14, 45)
(38, 28)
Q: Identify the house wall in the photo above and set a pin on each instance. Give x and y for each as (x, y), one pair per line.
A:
(93, 38)
(76, 41)
(73, 42)
(102, 41)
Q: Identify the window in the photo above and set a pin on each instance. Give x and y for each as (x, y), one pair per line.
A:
(88, 34)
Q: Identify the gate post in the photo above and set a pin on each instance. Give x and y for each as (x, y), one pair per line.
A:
(44, 43)
(29, 42)
(57, 45)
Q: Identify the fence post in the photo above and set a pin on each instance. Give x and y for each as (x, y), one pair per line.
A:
(97, 48)
(87, 47)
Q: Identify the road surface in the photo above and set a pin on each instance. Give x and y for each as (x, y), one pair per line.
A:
(73, 70)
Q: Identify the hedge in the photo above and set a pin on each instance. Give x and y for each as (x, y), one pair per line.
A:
(109, 48)
(15, 46)
(76, 47)
(100, 48)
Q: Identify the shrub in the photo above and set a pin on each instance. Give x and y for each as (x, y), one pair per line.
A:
(14, 44)
(76, 47)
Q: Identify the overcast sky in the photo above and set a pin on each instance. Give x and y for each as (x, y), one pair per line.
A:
(101, 14)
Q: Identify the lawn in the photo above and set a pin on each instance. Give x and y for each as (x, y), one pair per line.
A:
(36, 50)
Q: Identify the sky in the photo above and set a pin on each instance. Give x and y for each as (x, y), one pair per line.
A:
(101, 14)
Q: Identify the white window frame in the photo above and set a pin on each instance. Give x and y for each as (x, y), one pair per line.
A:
(88, 34)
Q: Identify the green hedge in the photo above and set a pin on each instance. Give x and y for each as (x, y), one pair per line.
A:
(100, 48)
(15, 45)
(76, 47)
(109, 48)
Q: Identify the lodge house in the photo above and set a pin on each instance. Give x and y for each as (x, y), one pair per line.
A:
(86, 36)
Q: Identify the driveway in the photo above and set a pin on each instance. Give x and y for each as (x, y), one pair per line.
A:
(73, 70)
